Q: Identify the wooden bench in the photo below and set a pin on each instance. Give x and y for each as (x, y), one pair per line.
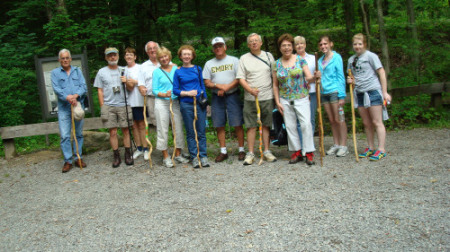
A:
(435, 90)
(8, 134)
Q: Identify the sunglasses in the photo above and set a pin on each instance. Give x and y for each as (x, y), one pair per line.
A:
(354, 62)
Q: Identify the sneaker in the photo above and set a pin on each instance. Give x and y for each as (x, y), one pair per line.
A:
(241, 156)
(310, 158)
(296, 157)
(137, 153)
(269, 156)
(342, 152)
(180, 159)
(221, 157)
(333, 149)
(377, 156)
(204, 161)
(249, 158)
(146, 155)
(195, 163)
(186, 155)
(367, 153)
(168, 162)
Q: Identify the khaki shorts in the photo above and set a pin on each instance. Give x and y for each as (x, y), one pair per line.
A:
(115, 117)
(151, 110)
(250, 115)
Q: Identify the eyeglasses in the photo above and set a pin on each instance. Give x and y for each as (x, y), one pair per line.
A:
(354, 62)
(65, 58)
(253, 41)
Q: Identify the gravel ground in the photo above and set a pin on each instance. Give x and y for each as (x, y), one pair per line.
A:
(398, 204)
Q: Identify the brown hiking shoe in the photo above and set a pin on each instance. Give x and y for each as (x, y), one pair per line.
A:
(241, 155)
(128, 158)
(77, 164)
(221, 157)
(310, 158)
(66, 167)
(117, 160)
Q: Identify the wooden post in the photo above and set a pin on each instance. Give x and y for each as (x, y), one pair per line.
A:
(10, 148)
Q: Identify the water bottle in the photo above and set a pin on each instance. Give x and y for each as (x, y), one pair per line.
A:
(341, 114)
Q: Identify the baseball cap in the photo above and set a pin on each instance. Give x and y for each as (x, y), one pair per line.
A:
(111, 50)
(217, 40)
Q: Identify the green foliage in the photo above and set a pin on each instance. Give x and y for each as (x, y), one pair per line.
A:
(411, 112)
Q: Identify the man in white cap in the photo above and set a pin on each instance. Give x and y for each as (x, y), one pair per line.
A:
(70, 87)
(111, 97)
(219, 74)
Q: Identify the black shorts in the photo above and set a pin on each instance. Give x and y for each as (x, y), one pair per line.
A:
(138, 113)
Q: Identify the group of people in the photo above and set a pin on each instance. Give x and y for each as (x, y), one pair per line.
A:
(170, 95)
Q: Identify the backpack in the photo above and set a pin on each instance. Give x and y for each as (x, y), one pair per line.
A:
(279, 134)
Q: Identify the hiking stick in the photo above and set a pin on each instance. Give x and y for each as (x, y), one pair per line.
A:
(173, 130)
(75, 138)
(258, 120)
(150, 146)
(128, 119)
(195, 131)
(319, 111)
(353, 114)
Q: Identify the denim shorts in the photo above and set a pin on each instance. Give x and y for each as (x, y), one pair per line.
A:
(374, 96)
(329, 98)
(138, 113)
(227, 106)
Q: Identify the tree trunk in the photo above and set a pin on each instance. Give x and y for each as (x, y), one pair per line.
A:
(383, 40)
(365, 17)
(48, 11)
(348, 13)
(415, 39)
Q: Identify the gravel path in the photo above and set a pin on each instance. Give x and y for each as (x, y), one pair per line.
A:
(398, 204)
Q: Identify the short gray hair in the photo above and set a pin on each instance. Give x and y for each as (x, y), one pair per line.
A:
(64, 51)
(254, 34)
(145, 48)
(299, 39)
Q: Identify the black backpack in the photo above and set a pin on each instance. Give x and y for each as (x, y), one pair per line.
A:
(278, 134)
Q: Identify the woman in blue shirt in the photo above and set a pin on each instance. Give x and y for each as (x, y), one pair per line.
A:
(188, 83)
(331, 72)
(162, 85)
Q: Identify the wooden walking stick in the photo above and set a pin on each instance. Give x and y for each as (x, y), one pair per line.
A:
(75, 138)
(319, 112)
(195, 131)
(258, 120)
(150, 146)
(173, 130)
(353, 114)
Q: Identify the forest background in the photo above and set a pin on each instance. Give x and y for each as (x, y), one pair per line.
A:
(410, 36)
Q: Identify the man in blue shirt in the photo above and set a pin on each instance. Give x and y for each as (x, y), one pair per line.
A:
(70, 87)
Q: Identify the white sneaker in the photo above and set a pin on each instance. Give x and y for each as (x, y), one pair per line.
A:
(249, 158)
(180, 159)
(269, 156)
(137, 153)
(333, 149)
(204, 161)
(342, 152)
(146, 154)
(168, 162)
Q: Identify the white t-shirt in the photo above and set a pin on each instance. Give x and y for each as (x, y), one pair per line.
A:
(145, 78)
(221, 71)
(257, 74)
(136, 99)
(109, 80)
(311, 60)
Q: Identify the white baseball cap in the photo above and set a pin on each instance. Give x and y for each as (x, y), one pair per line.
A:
(218, 40)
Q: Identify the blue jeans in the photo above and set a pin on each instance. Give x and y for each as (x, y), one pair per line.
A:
(65, 129)
(187, 111)
(313, 104)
